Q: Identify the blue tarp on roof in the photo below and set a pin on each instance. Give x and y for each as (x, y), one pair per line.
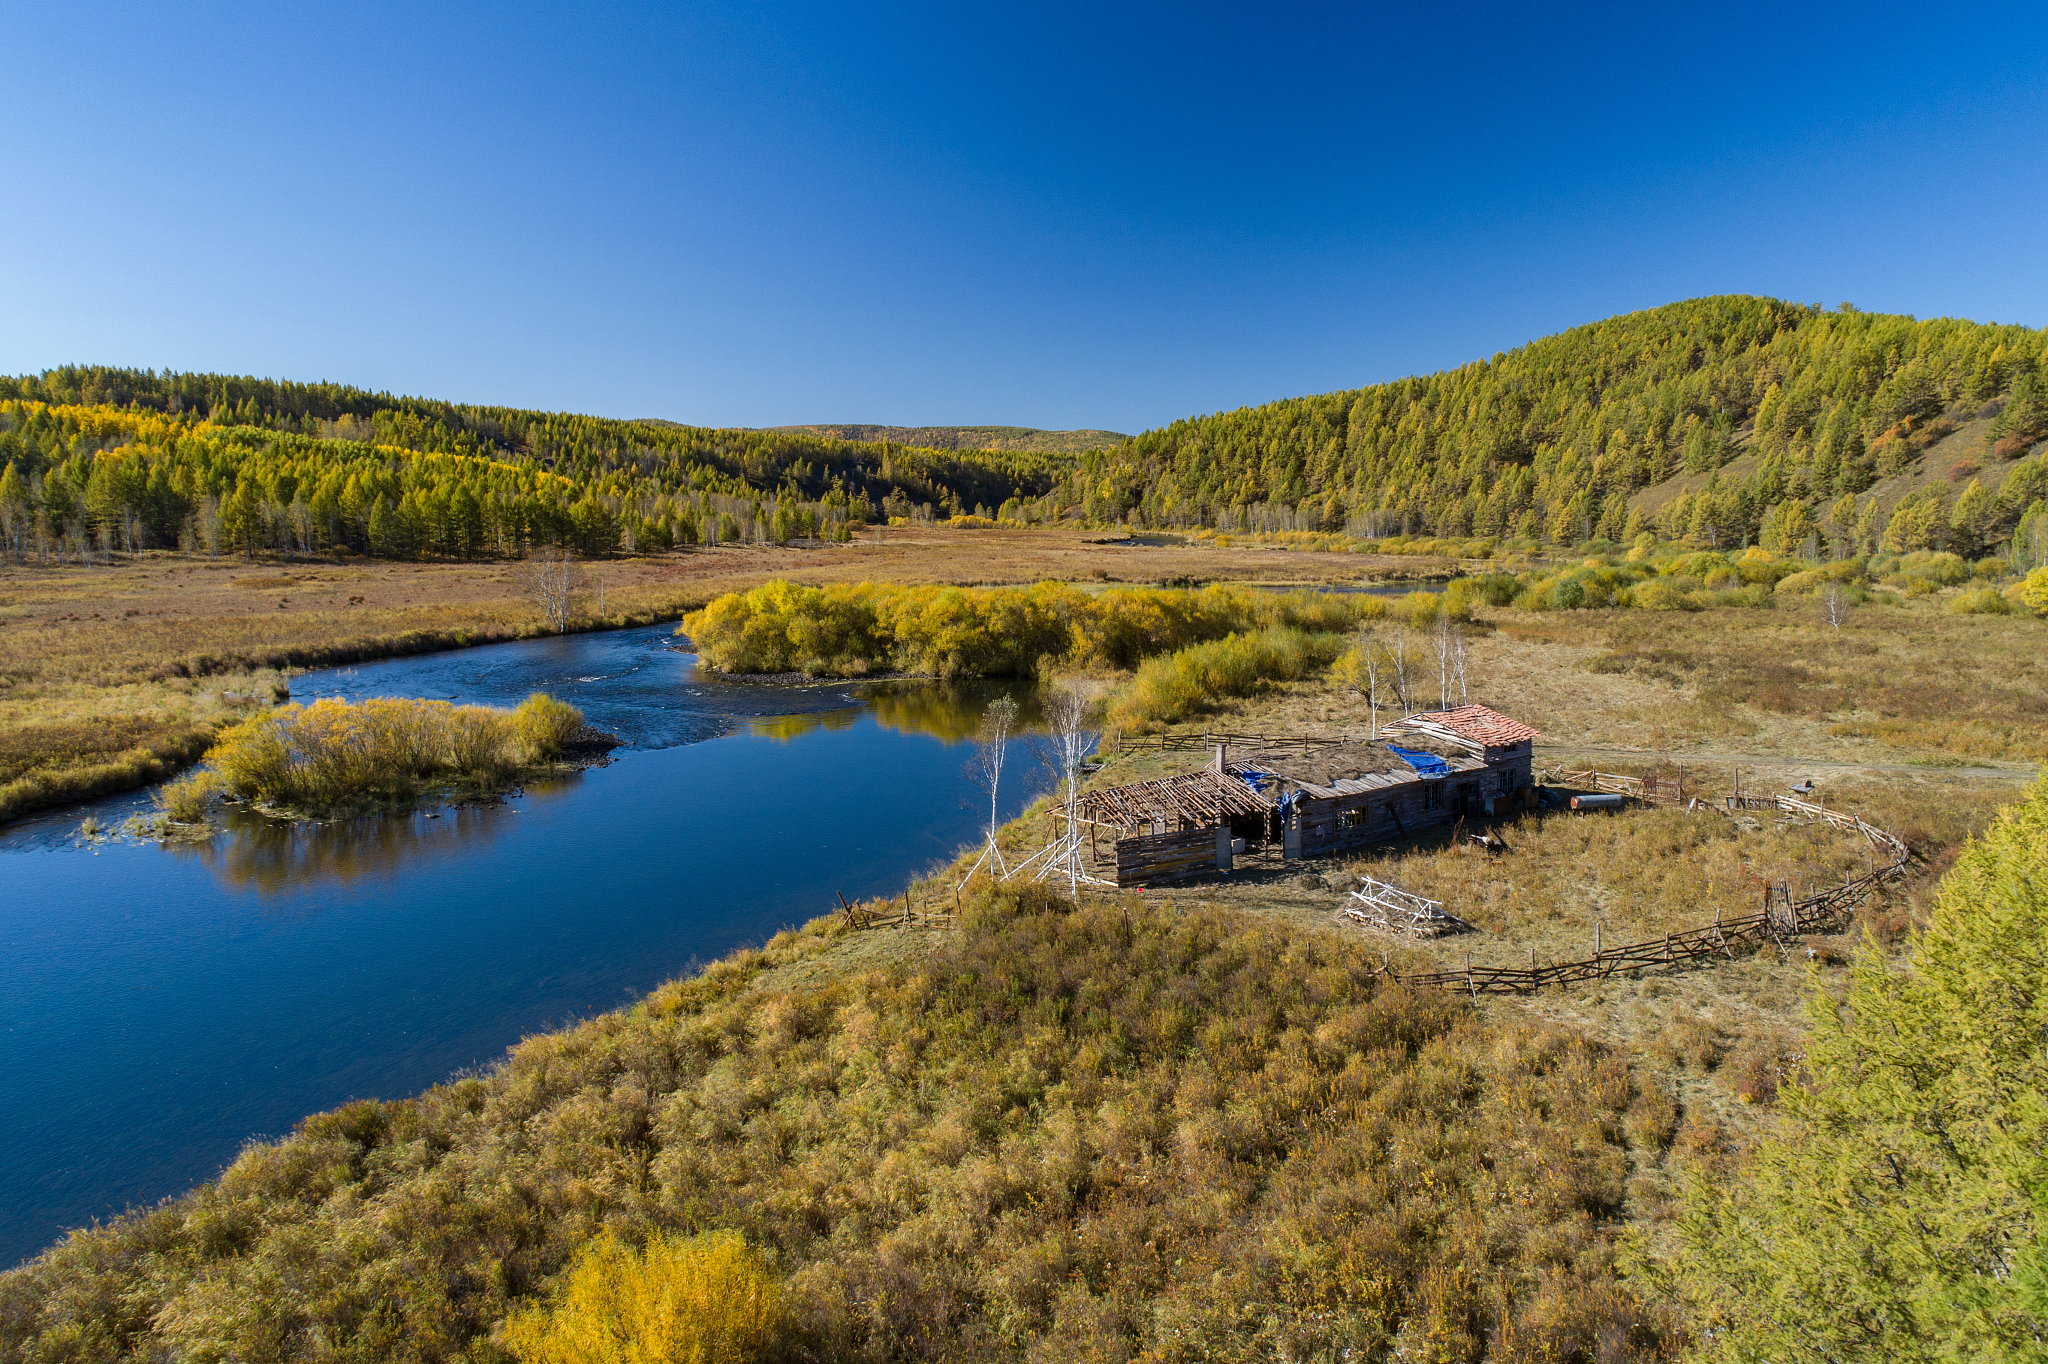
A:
(1428, 764)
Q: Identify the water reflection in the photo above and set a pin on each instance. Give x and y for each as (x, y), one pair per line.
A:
(272, 856)
(948, 712)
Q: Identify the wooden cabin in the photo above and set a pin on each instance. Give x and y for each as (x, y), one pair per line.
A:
(1168, 827)
(1431, 768)
(1312, 797)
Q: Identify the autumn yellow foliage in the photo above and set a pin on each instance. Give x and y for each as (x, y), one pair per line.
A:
(333, 752)
(702, 1300)
(849, 631)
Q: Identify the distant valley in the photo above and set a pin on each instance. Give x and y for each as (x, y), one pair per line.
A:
(1026, 439)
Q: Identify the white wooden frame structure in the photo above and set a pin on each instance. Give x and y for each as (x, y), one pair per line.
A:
(1388, 907)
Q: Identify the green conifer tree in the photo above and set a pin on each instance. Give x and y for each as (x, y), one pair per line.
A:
(1898, 1213)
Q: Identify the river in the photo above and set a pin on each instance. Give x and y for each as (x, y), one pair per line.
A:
(163, 1004)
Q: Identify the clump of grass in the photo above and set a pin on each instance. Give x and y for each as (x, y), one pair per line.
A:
(334, 753)
(189, 799)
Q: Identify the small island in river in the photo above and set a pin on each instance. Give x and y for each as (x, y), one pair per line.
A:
(338, 757)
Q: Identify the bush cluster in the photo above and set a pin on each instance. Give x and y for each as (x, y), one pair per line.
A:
(851, 631)
(333, 752)
(1656, 577)
(1171, 687)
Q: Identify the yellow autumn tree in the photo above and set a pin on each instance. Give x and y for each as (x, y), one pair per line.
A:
(697, 1300)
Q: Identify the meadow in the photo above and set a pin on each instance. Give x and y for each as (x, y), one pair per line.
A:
(1191, 1123)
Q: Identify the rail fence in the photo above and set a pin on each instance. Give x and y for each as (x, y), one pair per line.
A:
(1783, 918)
(1276, 744)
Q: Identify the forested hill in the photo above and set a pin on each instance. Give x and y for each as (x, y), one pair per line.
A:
(305, 465)
(1022, 438)
(1774, 419)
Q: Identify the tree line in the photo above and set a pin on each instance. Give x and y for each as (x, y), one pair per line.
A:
(93, 480)
(1551, 441)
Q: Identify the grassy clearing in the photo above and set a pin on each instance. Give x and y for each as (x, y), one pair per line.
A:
(1720, 1038)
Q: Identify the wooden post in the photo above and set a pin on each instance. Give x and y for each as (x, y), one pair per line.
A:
(1596, 937)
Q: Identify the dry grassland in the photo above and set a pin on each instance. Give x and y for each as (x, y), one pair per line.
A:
(1923, 722)
(115, 676)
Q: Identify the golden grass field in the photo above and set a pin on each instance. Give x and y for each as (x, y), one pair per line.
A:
(1924, 722)
(116, 675)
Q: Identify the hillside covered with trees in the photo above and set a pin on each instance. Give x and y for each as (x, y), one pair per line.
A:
(1722, 421)
(1718, 423)
(95, 459)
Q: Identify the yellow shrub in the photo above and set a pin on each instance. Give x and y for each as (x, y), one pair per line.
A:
(2033, 593)
(332, 751)
(1980, 601)
(705, 1300)
(545, 726)
(992, 632)
(1173, 686)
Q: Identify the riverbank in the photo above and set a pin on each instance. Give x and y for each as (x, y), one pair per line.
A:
(120, 675)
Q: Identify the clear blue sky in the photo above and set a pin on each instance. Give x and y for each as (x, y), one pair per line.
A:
(1089, 216)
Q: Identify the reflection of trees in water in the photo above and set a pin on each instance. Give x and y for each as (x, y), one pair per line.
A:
(948, 712)
(783, 728)
(271, 856)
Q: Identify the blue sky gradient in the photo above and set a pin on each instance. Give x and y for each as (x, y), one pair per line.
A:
(1049, 215)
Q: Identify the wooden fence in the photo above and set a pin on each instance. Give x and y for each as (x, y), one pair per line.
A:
(1655, 790)
(933, 911)
(1782, 919)
(1277, 744)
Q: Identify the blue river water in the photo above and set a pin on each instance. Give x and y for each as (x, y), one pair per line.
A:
(162, 1004)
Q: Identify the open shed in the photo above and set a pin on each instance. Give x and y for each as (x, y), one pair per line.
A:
(1169, 826)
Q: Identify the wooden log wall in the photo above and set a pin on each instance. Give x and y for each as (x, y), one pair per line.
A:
(1162, 857)
(1394, 812)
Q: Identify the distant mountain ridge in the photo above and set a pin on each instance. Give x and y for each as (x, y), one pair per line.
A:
(1023, 439)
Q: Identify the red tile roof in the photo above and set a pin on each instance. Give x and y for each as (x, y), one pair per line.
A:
(1480, 724)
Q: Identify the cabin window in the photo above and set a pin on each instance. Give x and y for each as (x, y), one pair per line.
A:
(1351, 819)
(1507, 782)
(1432, 796)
